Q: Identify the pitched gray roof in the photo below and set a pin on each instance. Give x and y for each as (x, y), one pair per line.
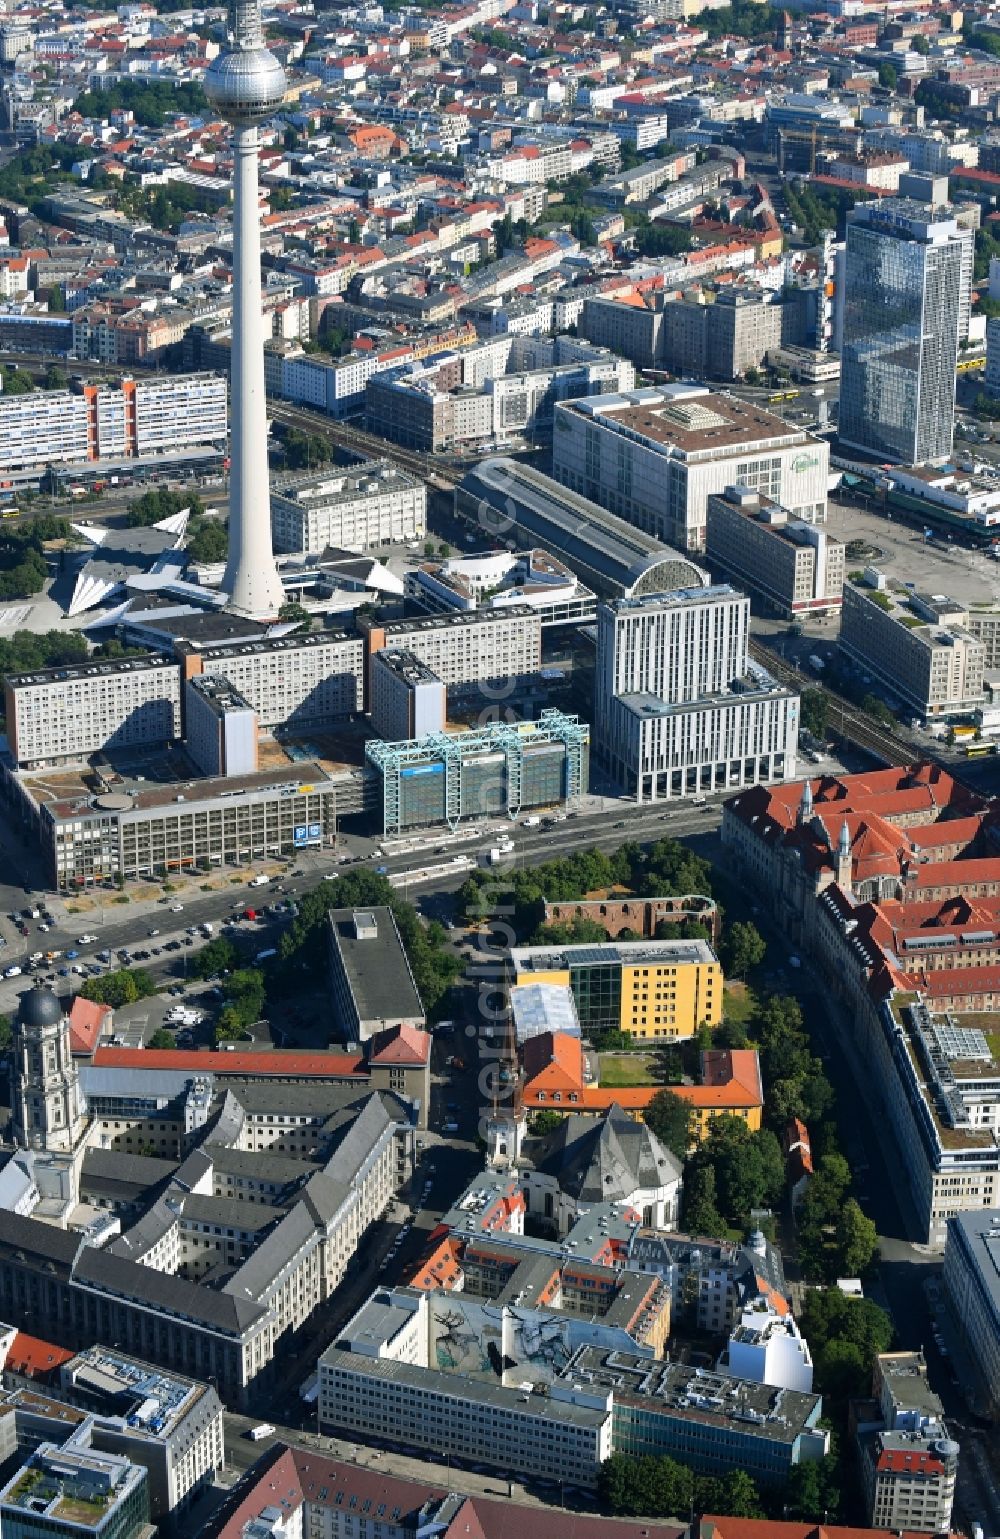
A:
(108, 1168)
(172, 1295)
(606, 1159)
(274, 1253)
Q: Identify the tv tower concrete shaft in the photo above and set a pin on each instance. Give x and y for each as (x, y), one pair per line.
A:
(246, 85)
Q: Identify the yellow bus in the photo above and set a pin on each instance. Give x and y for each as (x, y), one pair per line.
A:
(979, 750)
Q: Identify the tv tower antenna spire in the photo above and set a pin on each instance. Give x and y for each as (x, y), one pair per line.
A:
(246, 85)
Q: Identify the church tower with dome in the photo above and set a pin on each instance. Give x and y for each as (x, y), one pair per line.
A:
(49, 1112)
(48, 1107)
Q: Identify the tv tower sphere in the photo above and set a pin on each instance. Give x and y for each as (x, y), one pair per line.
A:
(246, 85)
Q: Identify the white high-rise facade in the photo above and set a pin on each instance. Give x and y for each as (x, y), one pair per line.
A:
(246, 85)
(678, 646)
(680, 708)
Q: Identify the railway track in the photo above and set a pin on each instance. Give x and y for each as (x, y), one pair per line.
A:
(347, 436)
(845, 720)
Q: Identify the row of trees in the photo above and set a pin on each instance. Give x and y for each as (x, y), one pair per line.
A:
(160, 503)
(814, 212)
(668, 868)
(23, 568)
(655, 1486)
(151, 102)
(123, 987)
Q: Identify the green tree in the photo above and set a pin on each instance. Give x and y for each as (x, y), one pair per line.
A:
(646, 1486)
(737, 1496)
(208, 540)
(304, 451)
(295, 613)
(161, 503)
(544, 1122)
(160, 1039)
(6, 1033)
(749, 1167)
(217, 956)
(887, 76)
(920, 44)
(669, 1117)
(812, 1492)
(834, 1323)
(857, 1240)
(701, 1214)
(743, 948)
(577, 931)
(17, 381)
(245, 993)
(152, 102)
(119, 988)
(813, 711)
(55, 378)
(229, 1027)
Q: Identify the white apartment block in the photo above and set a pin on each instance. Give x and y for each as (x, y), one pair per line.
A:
(112, 421)
(175, 410)
(408, 701)
(485, 645)
(909, 1481)
(791, 567)
(45, 427)
(918, 647)
(679, 708)
(220, 727)
(373, 505)
(293, 681)
(376, 1382)
(972, 1287)
(62, 714)
(654, 457)
(678, 646)
(744, 738)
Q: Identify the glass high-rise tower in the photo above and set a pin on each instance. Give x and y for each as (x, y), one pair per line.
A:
(903, 277)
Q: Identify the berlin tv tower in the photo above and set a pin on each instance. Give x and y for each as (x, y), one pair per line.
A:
(246, 85)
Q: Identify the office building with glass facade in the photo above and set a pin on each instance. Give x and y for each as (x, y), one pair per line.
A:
(904, 272)
(662, 990)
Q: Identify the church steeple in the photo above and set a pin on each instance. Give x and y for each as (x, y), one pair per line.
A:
(48, 1105)
(844, 858)
(806, 805)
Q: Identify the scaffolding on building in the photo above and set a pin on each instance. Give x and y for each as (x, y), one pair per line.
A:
(450, 753)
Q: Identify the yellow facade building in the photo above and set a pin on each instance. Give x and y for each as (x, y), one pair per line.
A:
(658, 991)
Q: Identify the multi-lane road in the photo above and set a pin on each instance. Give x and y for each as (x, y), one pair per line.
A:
(591, 827)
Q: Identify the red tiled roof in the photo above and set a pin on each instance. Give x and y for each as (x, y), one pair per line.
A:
(86, 1019)
(403, 1044)
(896, 1461)
(33, 1358)
(279, 1064)
(553, 1060)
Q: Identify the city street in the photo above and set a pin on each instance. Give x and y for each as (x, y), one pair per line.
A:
(591, 828)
